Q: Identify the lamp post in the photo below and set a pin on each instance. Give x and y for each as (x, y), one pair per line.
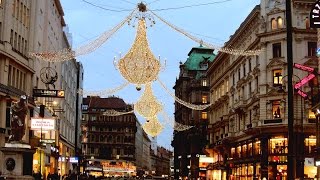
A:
(290, 157)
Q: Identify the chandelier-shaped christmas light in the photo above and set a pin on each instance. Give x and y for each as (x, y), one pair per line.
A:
(139, 66)
(152, 127)
(148, 106)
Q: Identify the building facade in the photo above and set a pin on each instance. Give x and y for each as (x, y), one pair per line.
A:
(108, 141)
(192, 86)
(248, 135)
(143, 159)
(34, 26)
(160, 162)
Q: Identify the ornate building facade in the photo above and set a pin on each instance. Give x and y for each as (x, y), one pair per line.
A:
(108, 140)
(248, 135)
(191, 86)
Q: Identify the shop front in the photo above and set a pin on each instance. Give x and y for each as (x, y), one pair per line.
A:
(118, 168)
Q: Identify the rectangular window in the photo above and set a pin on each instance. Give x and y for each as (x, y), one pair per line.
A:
(250, 67)
(312, 48)
(227, 86)
(204, 82)
(14, 8)
(25, 46)
(17, 9)
(19, 44)
(276, 49)
(233, 79)
(277, 77)
(239, 74)
(204, 115)
(15, 40)
(278, 145)
(11, 37)
(204, 99)
(21, 8)
(8, 114)
(24, 15)
(9, 75)
(276, 113)
(244, 70)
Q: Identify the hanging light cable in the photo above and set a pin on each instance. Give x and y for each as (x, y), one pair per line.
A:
(102, 93)
(221, 49)
(174, 124)
(180, 101)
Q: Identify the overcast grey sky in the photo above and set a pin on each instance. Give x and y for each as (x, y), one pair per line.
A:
(213, 23)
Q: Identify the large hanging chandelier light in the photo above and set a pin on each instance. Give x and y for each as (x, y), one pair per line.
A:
(152, 127)
(148, 106)
(139, 66)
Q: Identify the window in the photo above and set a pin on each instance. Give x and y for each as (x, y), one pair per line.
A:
(277, 77)
(204, 115)
(278, 145)
(227, 86)
(244, 70)
(250, 68)
(257, 60)
(276, 109)
(239, 74)
(276, 49)
(11, 37)
(233, 79)
(204, 82)
(204, 99)
(280, 22)
(312, 48)
(273, 24)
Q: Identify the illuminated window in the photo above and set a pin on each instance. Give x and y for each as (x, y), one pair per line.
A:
(204, 82)
(312, 48)
(311, 114)
(273, 24)
(277, 77)
(280, 22)
(278, 145)
(204, 115)
(276, 109)
(276, 49)
(204, 99)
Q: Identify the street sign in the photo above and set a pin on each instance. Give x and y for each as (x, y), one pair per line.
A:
(48, 93)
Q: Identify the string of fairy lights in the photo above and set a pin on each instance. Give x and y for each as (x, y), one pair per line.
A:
(140, 67)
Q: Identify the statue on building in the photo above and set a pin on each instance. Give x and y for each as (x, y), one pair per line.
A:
(19, 113)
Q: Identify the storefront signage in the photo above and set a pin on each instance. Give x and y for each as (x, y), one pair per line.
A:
(301, 93)
(42, 124)
(304, 81)
(206, 159)
(48, 93)
(315, 15)
(73, 159)
(304, 68)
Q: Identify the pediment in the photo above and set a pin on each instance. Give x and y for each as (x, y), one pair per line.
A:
(276, 62)
(311, 62)
(275, 10)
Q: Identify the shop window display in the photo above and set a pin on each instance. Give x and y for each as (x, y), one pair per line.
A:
(278, 145)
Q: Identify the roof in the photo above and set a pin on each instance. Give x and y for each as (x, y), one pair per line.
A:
(198, 55)
(104, 103)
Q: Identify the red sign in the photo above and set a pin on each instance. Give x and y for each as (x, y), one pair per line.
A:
(301, 93)
(302, 67)
(304, 81)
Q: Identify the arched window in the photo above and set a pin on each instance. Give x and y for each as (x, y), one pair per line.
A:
(280, 22)
(273, 24)
(307, 22)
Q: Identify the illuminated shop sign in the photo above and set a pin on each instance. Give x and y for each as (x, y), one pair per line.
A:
(304, 81)
(304, 68)
(315, 15)
(44, 124)
(48, 93)
(74, 159)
